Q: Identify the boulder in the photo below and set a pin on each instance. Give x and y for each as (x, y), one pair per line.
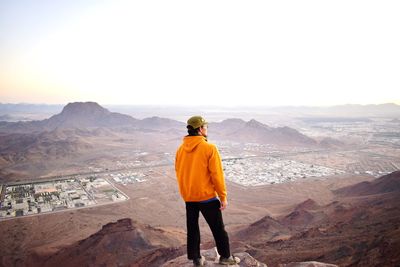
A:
(212, 258)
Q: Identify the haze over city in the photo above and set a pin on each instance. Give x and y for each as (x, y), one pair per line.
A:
(226, 53)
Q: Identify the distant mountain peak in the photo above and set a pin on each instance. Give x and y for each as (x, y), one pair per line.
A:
(87, 114)
(254, 131)
(256, 124)
(84, 109)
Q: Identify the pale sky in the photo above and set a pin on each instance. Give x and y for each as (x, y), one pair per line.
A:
(185, 52)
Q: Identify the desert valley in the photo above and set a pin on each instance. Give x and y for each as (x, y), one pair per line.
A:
(89, 186)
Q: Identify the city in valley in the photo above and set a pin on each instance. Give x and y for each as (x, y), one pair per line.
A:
(363, 146)
(56, 195)
(287, 172)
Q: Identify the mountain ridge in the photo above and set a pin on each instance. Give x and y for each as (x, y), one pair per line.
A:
(86, 115)
(389, 183)
(359, 230)
(257, 132)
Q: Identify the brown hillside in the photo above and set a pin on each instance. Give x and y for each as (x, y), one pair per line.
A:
(386, 184)
(123, 243)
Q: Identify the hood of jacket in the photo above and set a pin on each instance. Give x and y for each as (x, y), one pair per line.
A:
(191, 142)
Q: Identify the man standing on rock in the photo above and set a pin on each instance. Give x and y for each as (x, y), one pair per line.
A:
(201, 183)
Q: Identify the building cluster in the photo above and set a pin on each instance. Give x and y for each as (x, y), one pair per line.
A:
(374, 167)
(254, 171)
(128, 177)
(373, 131)
(229, 149)
(141, 159)
(49, 196)
(252, 164)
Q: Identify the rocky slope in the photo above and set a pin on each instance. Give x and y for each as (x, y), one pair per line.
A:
(361, 229)
(123, 243)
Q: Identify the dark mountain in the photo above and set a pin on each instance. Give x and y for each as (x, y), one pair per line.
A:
(82, 130)
(84, 115)
(256, 132)
(123, 243)
(87, 114)
(386, 184)
(74, 115)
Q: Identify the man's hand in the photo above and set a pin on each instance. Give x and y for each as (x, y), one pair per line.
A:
(223, 205)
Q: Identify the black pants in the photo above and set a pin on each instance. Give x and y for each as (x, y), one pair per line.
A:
(213, 216)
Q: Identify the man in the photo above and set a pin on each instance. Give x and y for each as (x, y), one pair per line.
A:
(201, 183)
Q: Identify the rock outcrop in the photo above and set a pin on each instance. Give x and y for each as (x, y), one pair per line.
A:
(121, 243)
(212, 258)
(246, 260)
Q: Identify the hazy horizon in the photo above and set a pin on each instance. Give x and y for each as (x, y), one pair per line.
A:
(199, 105)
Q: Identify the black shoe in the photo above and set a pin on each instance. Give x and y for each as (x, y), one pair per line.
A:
(232, 260)
(199, 262)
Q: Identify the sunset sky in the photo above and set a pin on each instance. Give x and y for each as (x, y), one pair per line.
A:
(200, 52)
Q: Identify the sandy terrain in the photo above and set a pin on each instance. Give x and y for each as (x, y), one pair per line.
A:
(157, 203)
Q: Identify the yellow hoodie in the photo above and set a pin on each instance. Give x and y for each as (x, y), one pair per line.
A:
(199, 170)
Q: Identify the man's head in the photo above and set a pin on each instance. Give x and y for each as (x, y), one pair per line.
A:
(197, 125)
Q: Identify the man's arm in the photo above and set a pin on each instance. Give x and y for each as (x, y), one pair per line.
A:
(217, 175)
